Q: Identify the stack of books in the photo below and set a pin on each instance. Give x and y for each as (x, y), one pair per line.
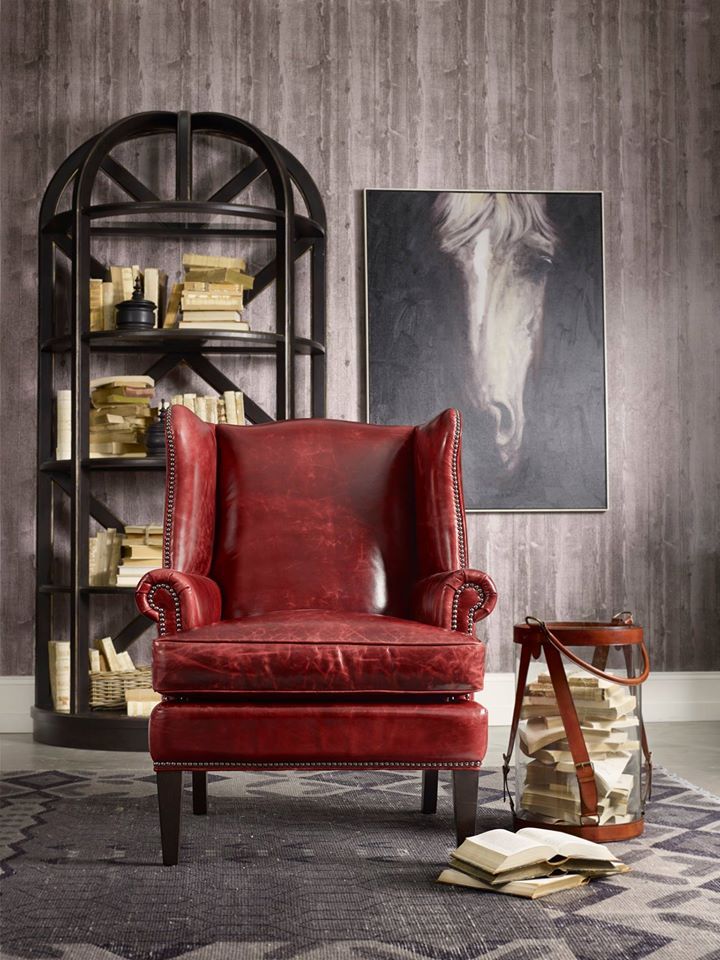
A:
(63, 425)
(530, 863)
(120, 415)
(140, 701)
(211, 295)
(228, 408)
(606, 711)
(142, 551)
(103, 558)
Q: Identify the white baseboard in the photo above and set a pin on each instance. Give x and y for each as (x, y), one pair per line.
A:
(666, 696)
(17, 695)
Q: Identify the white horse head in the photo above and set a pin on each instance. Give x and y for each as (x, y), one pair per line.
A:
(504, 244)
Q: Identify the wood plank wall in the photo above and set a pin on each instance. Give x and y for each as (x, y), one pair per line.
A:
(611, 94)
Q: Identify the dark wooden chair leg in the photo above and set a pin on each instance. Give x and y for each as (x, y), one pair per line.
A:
(465, 788)
(199, 782)
(169, 790)
(429, 791)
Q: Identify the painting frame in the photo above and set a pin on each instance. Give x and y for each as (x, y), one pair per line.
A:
(600, 439)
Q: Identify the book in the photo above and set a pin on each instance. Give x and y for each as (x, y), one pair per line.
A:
(205, 286)
(193, 260)
(59, 669)
(107, 647)
(230, 406)
(96, 305)
(536, 733)
(211, 301)
(129, 565)
(233, 326)
(500, 852)
(211, 316)
(533, 889)
(125, 661)
(139, 551)
(173, 305)
(118, 450)
(63, 425)
(219, 275)
(108, 304)
(140, 701)
(135, 380)
(153, 284)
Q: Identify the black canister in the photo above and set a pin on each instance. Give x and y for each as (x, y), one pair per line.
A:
(138, 313)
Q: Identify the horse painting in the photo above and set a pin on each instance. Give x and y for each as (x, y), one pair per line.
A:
(492, 302)
(504, 245)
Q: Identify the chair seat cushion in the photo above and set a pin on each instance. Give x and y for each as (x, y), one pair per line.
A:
(317, 651)
(333, 735)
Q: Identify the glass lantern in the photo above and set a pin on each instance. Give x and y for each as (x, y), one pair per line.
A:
(582, 761)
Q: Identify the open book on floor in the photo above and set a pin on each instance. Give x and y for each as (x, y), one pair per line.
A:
(532, 889)
(498, 857)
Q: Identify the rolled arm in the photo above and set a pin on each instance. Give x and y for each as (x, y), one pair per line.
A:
(178, 601)
(455, 600)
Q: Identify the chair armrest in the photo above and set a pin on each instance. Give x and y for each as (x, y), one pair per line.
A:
(178, 601)
(455, 600)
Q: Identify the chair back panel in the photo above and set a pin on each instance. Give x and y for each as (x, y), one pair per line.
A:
(315, 514)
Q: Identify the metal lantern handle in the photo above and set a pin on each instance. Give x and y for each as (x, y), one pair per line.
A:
(612, 678)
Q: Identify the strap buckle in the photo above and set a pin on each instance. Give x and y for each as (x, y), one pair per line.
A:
(582, 768)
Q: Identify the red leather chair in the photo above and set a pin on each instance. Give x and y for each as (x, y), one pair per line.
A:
(315, 608)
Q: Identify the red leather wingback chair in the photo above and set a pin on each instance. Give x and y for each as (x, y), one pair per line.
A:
(315, 608)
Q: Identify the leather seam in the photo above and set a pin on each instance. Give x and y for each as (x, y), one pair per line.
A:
(323, 764)
(456, 489)
(162, 624)
(170, 505)
(473, 610)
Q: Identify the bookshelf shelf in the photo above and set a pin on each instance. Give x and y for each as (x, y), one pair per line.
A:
(105, 463)
(66, 238)
(258, 342)
(51, 588)
(90, 729)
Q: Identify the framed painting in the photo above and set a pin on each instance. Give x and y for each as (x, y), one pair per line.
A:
(493, 302)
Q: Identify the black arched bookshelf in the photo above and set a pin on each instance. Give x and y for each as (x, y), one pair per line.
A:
(64, 330)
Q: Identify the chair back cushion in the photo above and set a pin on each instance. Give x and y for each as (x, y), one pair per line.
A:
(315, 514)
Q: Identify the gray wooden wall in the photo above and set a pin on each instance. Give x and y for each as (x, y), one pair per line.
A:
(539, 94)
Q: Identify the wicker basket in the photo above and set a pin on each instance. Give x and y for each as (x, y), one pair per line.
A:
(107, 688)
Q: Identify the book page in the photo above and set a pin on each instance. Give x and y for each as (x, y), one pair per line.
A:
(496, 848)
(566, 845)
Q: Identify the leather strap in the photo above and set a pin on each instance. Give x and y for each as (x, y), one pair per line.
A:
(629, 681)
(584, 770)
(525, 655)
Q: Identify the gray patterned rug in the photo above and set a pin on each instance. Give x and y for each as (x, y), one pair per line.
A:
(327, 866)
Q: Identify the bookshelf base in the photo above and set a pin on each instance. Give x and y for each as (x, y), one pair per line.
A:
(94, 730)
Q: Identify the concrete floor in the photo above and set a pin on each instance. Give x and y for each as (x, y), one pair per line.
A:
(690, 750)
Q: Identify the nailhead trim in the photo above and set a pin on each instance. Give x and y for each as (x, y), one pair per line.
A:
(456, 491)
(170, 498)
(473, 610)
(160, 611)
(327, 765)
